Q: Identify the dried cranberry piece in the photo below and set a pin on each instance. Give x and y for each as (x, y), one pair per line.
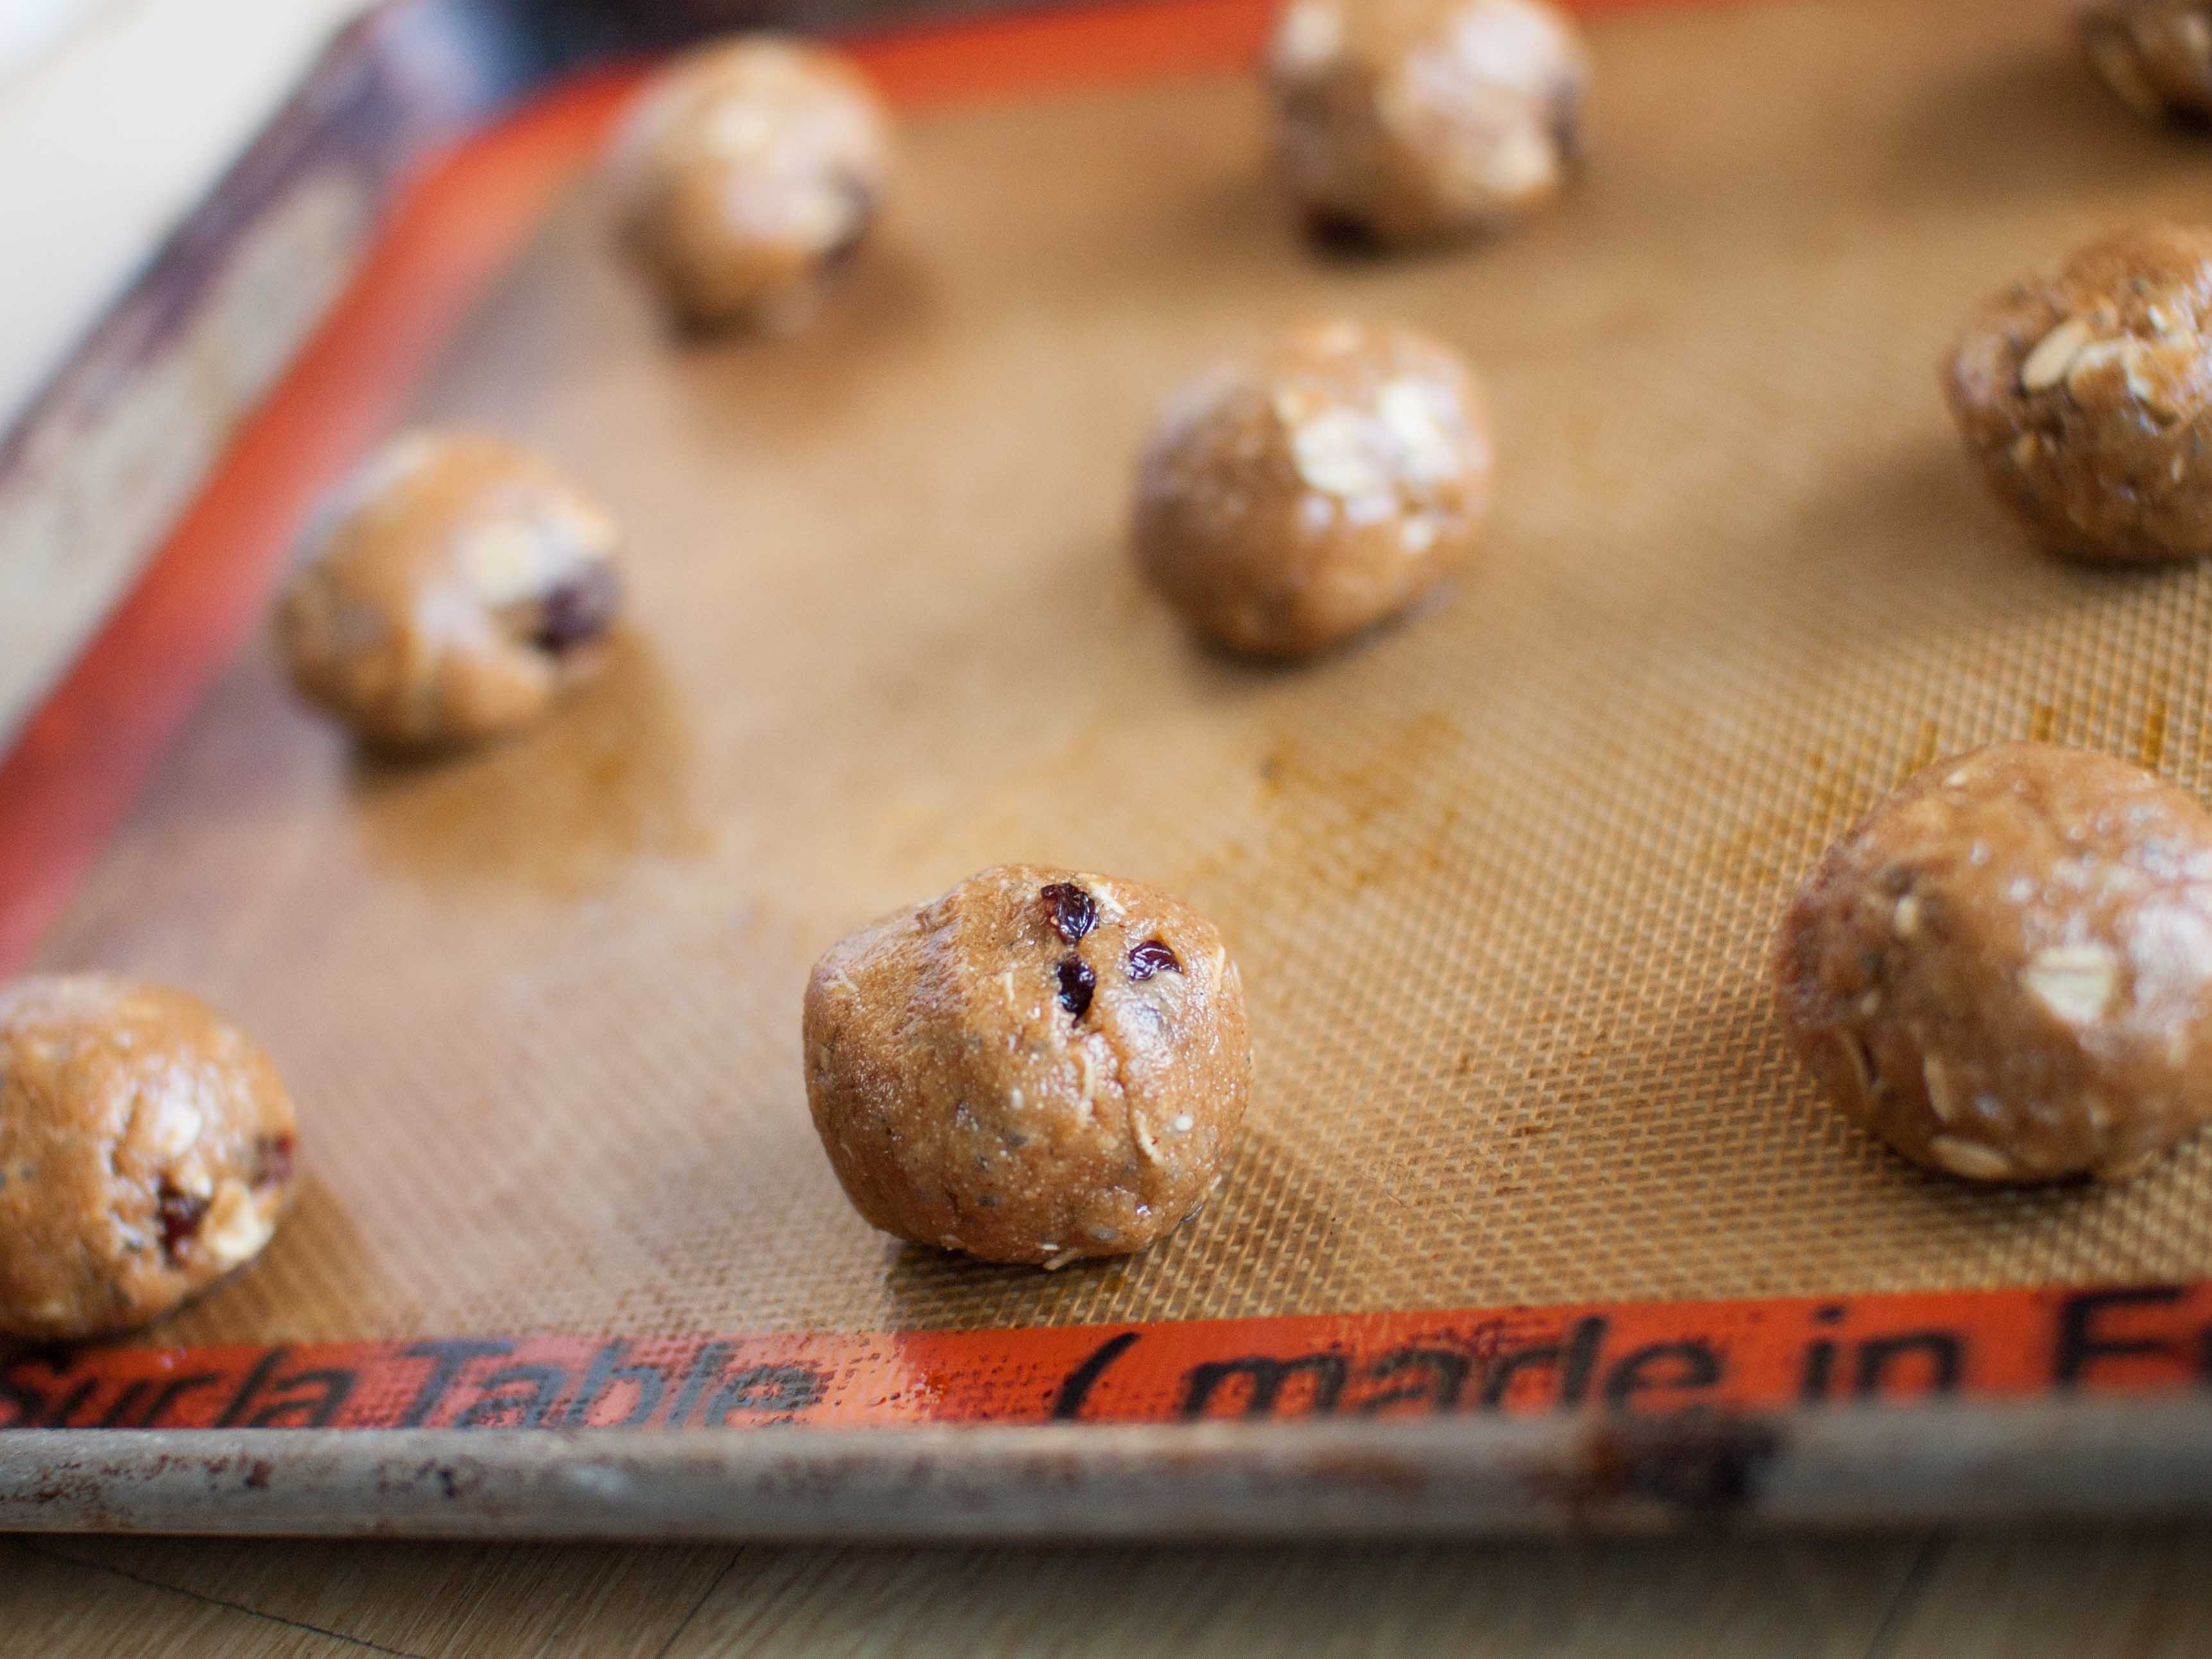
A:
(1151, 958)
(580, 610)
(180, 1216)
(1074, 912)
(1077, 983)
(274, 1156)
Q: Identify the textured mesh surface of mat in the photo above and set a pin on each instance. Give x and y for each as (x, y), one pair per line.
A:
(1500, 880)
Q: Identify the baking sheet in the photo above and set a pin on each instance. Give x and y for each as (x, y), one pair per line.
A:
(1499, 880)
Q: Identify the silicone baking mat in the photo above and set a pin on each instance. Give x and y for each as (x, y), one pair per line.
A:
(1500, 878)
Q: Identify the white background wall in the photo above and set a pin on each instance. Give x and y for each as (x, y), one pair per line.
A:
(115, 115)
(28, 26)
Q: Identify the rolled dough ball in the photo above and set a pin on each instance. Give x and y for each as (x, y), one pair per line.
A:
(2155, 54)
(1039, 1066)
(2085, 397)
(1406, 120)
(751, 168)
(457, 586)
(1288, 503)
(2005, 971)
(146, 1150)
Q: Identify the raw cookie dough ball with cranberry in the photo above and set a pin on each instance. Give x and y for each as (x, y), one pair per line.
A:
(1038, 1066)
(751, 168)
(2086, 397)
(458, 587)
(2155, 54)
(1406, 120)
(2005, 971)
(1288, 503)
(146, 1150)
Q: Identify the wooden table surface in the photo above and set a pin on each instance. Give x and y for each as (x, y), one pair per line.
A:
(2141, 1593)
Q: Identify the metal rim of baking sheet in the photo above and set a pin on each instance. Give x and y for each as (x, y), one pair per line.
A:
(1849, 1467)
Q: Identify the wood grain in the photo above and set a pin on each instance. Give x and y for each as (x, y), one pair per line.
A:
(1783, 1601)
(593, 1601)
(61, 1609)
(2123, 1595)
(2141, 1594)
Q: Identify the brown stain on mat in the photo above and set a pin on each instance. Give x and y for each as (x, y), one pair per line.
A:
(603, 782)
(1775, 851)
(2150, 747)
(1347, 821)
(1925, 749)
(1824, 799)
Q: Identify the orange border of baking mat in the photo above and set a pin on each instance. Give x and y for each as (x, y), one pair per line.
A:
(1664, 1357)
(81, 760)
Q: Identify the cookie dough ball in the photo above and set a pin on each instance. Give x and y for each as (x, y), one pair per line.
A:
(1407, 120)
(146, 1150)
(2086, 397)
(454, 589)
(751, 170)
(2155, 54)
(1039, 1066)
(1286, 503)
(2005, 971)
